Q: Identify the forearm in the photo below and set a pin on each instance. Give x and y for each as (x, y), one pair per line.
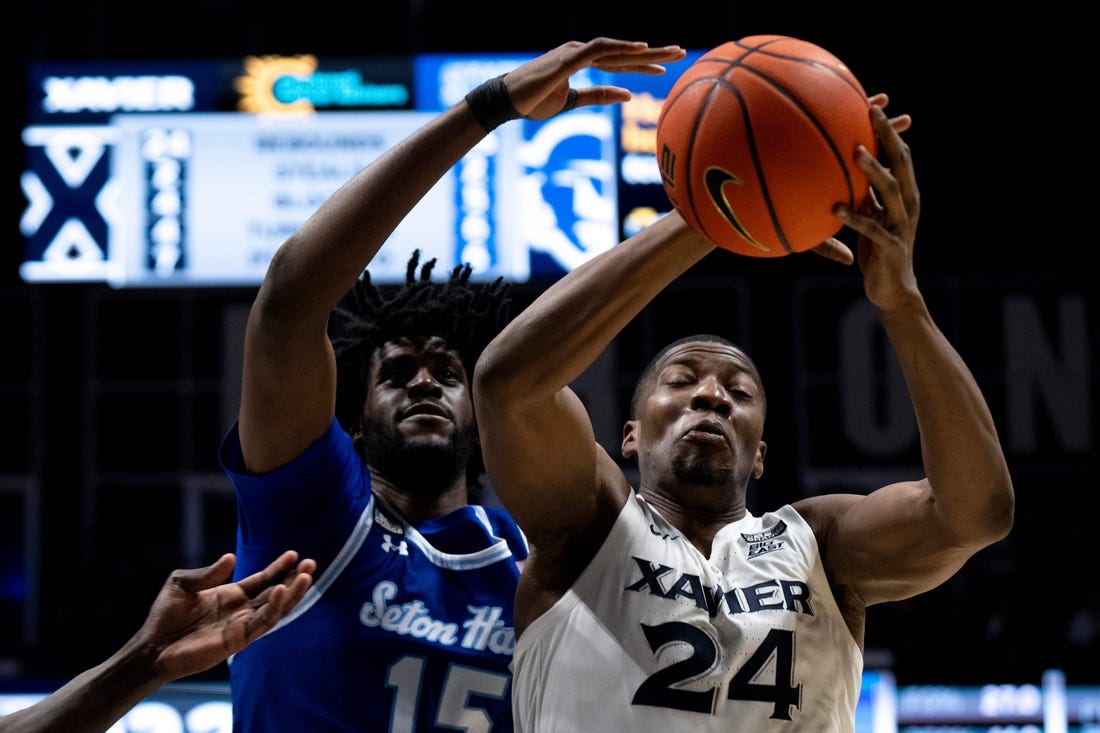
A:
(552, 341)
(961, 451)
(94, 700)
(317, 265)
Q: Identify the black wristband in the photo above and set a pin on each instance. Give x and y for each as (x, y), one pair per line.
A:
(491, 105)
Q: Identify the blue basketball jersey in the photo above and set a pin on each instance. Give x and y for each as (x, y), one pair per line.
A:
(406, 628)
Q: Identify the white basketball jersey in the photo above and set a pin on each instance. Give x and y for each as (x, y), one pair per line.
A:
(655, 637)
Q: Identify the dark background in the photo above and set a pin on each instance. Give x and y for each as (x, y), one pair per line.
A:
(113, 398)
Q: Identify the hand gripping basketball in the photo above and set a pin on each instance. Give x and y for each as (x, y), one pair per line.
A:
(756, 143)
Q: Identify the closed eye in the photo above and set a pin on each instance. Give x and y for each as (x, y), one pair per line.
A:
(448, 376)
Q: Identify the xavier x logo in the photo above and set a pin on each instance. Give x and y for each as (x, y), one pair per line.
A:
(71, 199)
(716, 179)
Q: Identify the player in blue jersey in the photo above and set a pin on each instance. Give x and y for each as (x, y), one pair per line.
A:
(356, 444)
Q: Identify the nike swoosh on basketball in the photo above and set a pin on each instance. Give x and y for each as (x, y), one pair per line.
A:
(715, 178)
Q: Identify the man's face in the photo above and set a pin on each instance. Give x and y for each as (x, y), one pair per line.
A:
(417, 423)
(701, 420)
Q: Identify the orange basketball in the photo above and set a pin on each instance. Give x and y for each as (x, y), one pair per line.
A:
(756, 143)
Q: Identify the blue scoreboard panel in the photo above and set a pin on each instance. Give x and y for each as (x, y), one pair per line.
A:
(192, 173)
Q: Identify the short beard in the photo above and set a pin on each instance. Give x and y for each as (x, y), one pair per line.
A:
(418, 470)
(700, 473)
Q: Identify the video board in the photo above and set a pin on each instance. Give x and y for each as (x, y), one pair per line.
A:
(148, 174)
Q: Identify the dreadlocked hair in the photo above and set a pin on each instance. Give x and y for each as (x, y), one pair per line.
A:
(465, 315)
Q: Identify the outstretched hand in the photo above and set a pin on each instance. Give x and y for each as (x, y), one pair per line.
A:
(540, 88)
(198, 620)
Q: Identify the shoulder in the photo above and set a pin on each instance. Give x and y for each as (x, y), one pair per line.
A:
(333, 442)
(821, 512)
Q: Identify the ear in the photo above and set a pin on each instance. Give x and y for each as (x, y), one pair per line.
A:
(356, 434)
(630, 439)
(758, 464)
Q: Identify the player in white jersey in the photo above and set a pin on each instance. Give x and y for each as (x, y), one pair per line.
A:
(720, 641)
(668, 606)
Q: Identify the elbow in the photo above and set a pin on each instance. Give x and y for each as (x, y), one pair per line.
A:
(489, 377)
(487, 370)
(496, 379)
(1003, 512)
(982, 519)
(502, 381)
(290, 295)
(998, 516)
(277, 297)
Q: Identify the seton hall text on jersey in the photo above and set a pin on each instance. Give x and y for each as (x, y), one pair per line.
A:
(484, 629)
(769, 595)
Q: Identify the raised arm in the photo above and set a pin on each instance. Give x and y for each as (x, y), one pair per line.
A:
(909, 537)
(289, 381)
(289, 385)
(537, 439)
(197, 621)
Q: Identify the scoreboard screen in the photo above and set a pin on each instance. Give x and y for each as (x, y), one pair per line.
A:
(145, 174)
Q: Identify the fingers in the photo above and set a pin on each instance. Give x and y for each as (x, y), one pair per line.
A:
(570, 100)
(285, 590)
(610, 54)
(638, 58)
(632, 57)
(539, 89)
(866, 226)
(901, 123)
(888, 136)
(274, 573)
(297, 587)
(654, 65)
(898, 183)
(276, 601)
(598, 95)
(194, 580)
(835, 250)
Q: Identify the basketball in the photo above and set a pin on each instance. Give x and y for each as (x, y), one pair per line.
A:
(756, 143)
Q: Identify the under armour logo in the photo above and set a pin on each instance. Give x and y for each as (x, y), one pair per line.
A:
(388, 546)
